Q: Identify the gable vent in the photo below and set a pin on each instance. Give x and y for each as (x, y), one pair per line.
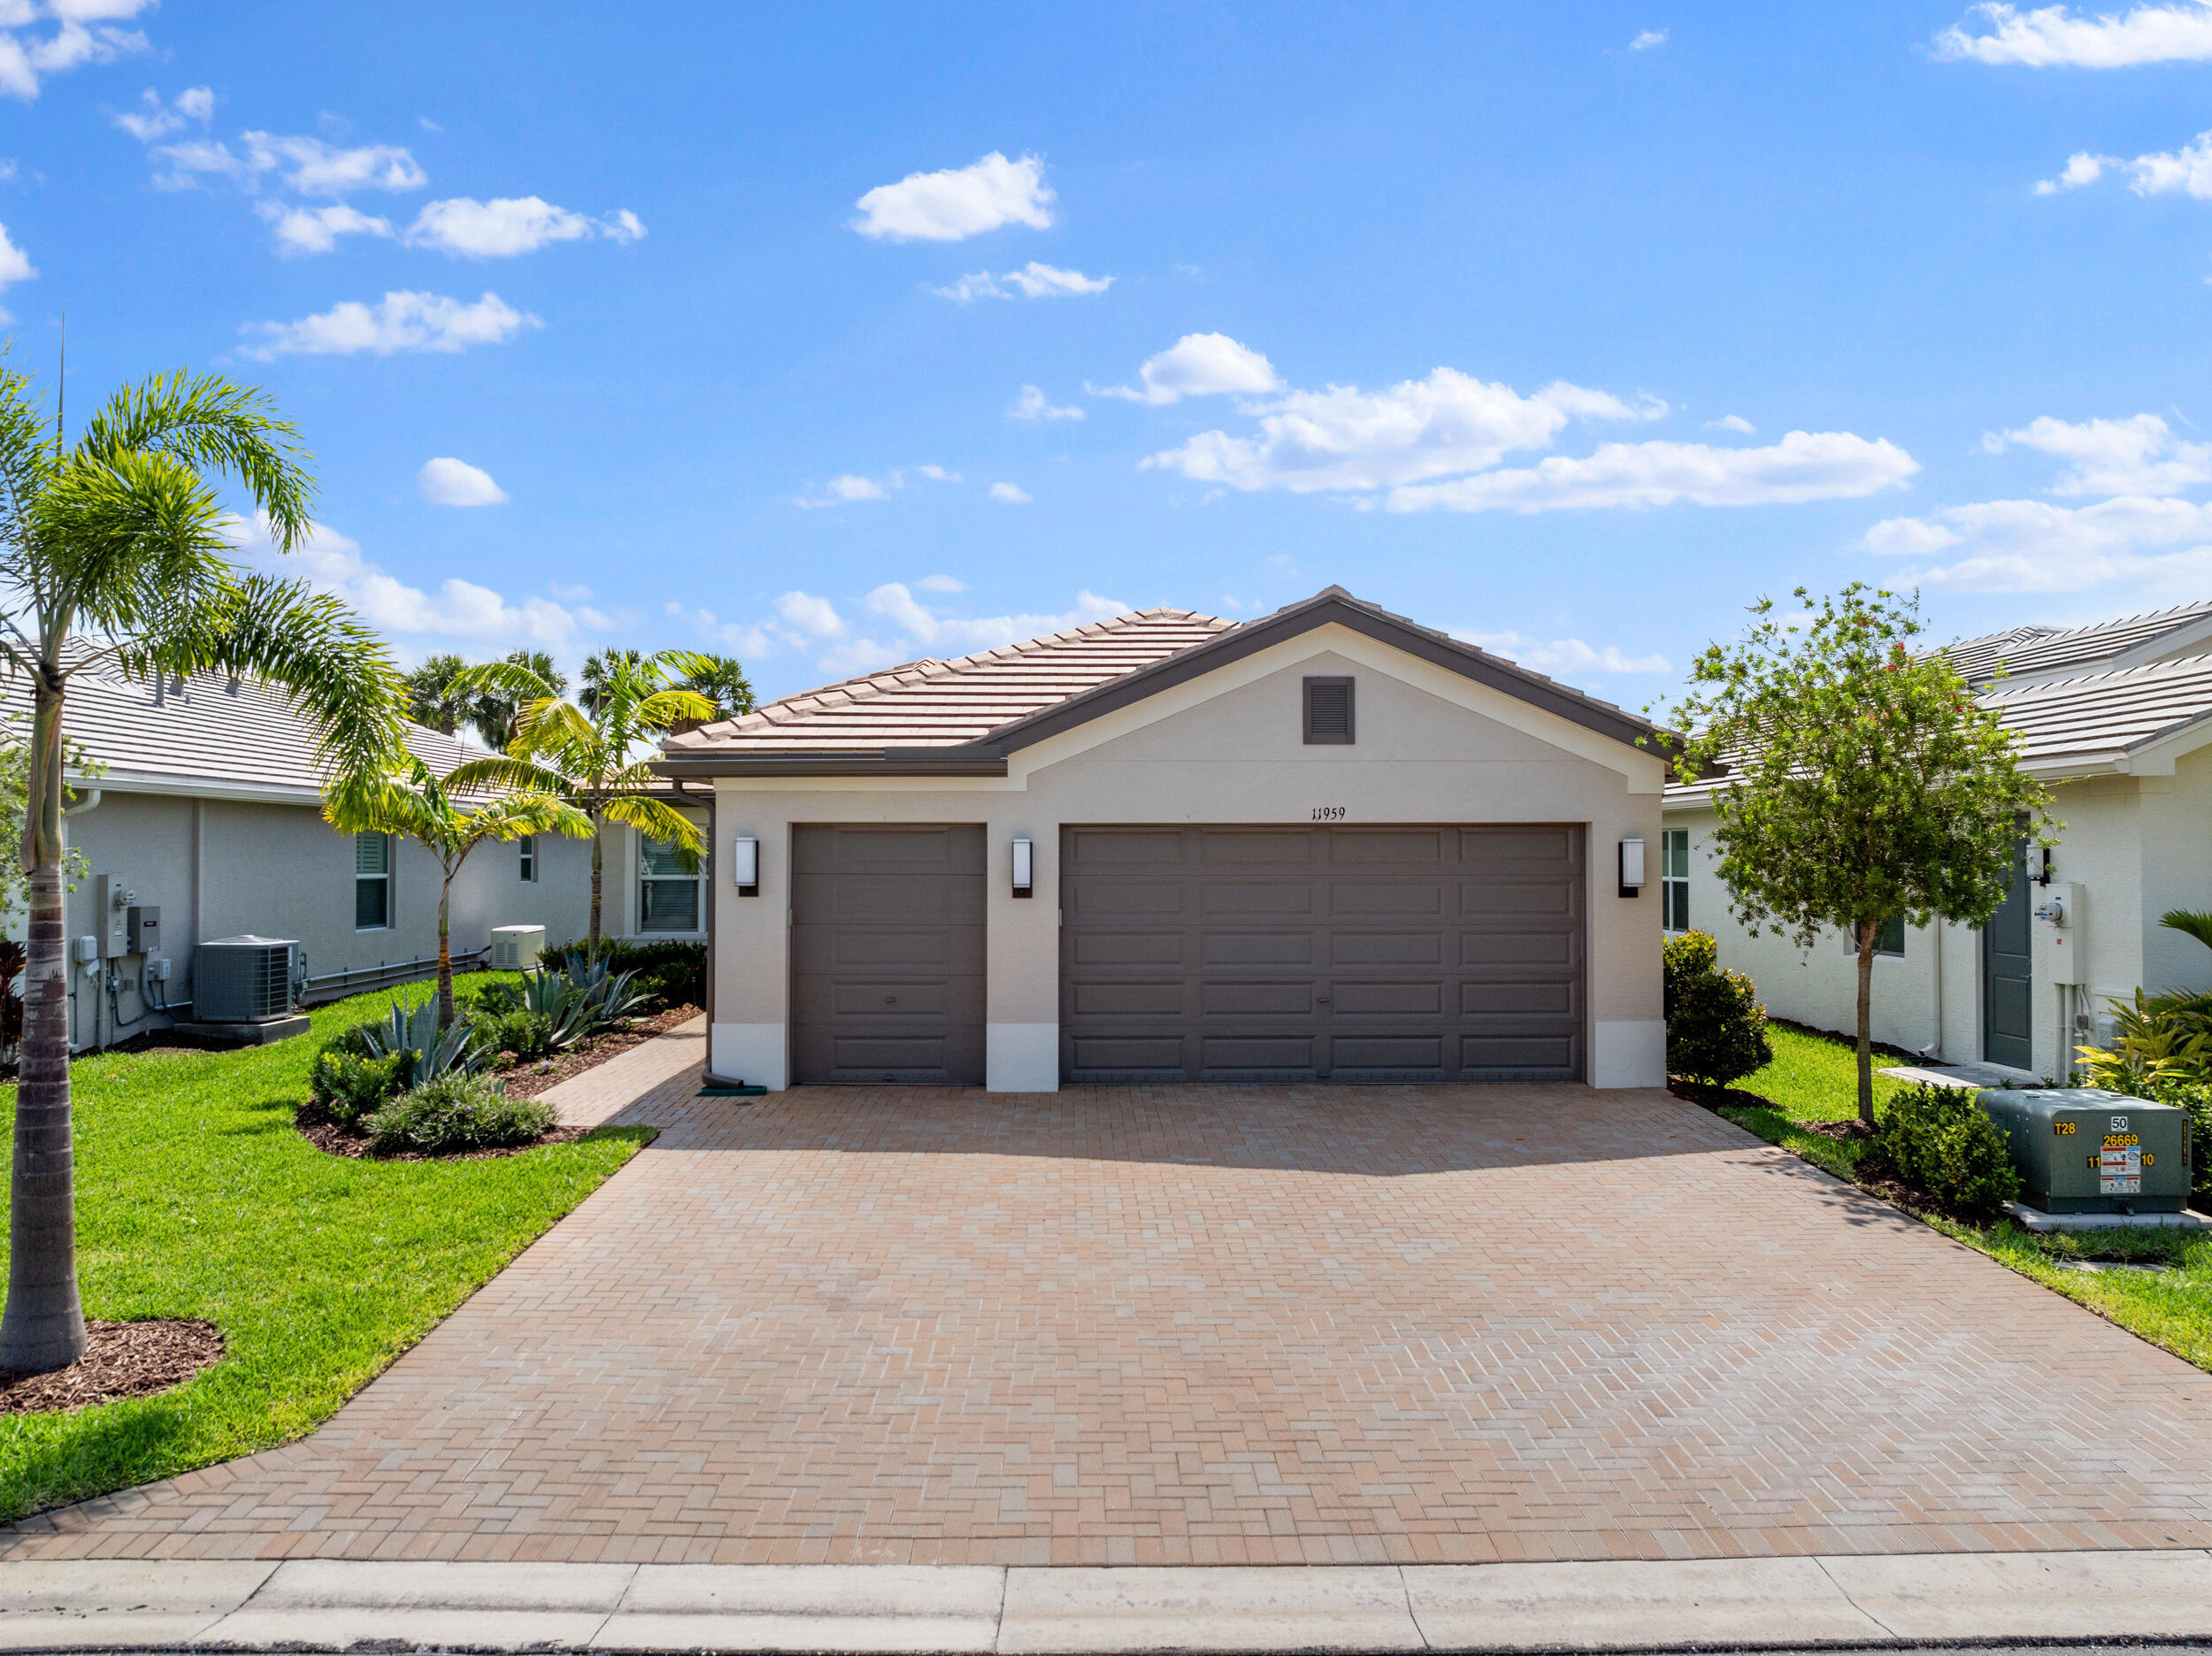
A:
(1328, 710)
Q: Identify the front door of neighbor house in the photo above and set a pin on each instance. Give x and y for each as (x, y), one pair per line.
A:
(2007, 978)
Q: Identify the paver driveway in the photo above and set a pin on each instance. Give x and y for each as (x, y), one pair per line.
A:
(1220, 1325)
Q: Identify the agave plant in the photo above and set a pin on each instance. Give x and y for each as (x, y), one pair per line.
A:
(606, 995)
(549, 995)
(433, 1050)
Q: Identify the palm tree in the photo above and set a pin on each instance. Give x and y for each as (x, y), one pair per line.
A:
(587, 758)
(599, 670)
(422, 806)
(432, 700)
(113, 552)
(494, 714)
(722, 680)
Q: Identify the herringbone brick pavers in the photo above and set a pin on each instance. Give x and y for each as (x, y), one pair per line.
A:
(1219, 1325)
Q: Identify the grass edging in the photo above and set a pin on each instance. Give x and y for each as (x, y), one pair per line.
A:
(197, 1198)
(2171, 1309)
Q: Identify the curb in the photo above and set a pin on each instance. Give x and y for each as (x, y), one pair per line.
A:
(1638, 1606)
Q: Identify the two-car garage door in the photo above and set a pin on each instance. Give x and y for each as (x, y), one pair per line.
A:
(1346, 954)
(1262, 953)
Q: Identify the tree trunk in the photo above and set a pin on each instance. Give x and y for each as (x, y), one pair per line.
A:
(43, 1327)
(1868, 933)
(445, 954)
(593, 956)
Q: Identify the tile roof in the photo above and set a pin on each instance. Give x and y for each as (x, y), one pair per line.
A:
(945, 703)
(2041, 650)
(244, 737)
(2106, 713)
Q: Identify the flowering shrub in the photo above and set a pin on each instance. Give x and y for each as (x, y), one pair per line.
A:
(457, 1112)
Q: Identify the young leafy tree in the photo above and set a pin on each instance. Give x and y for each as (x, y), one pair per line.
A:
(592, 760)
(113, 552)
(422, 805)
(1856, 780)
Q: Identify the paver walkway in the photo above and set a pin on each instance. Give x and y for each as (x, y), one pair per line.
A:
(1219, 1325)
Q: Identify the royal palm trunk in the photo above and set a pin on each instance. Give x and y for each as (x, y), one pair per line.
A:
(43, 1327)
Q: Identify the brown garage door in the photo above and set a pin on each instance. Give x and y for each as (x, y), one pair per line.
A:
(887, 954)
(1444, 953)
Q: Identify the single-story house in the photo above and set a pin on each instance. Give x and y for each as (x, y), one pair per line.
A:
(206, 802)
(2117, 718)
(1327, 845)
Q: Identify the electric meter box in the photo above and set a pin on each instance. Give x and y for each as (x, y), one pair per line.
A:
(2085, 1150)
(2059, 949)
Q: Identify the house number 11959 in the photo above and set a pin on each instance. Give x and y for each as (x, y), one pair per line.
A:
(1328, 813)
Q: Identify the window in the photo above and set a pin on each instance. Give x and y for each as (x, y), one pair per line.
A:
(372, 882)
(669, 892)
(529, 846)
(1328, 711)
(1674, 880)
(1893, 938)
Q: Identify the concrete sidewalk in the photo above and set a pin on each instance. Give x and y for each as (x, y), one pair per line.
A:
(121, 1604)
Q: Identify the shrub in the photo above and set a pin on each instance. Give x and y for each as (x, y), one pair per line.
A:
(2163, 1039)
(524, 1033)
(2196, 1098)
(1940, 1140)
(1716, 1030)
(457, 1111)
(349, 1086)
(677, 972)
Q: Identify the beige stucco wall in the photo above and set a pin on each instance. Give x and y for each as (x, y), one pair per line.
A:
(1433, 747)
(2135, 845)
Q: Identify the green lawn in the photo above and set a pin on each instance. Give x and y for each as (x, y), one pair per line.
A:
(1814, 1078)
(196, 1198)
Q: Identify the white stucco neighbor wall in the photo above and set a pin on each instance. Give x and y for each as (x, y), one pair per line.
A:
(1226, 748)
(2134, 845)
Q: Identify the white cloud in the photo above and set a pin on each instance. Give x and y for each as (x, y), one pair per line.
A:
(15, 267)
(2081, 168)
(2138, 456)
(86, 31)
(459, 610)
(154, 119)
(941, 584)
(2034, 546)
(448, 482)
(1009, 493)
(310, 230)
(399, 322)
(1803, 466)
(1735, 423)
(1198, 364)
(2183, 171)
(1034, 404)
(1648, 39)
(958, 203)
(851, 486)
(2054, 37)
(1559, 656)
(510, 226)
(925, 631)
(813, 617)
(1344, 438)
(1033, 280)
(306, 166)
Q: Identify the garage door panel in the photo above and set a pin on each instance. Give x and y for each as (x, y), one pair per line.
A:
(1351, 953)
(1386, 948)
(887, 954)
(1257, 948)
(1421, 998)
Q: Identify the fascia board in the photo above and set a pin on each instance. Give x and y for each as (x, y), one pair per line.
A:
(1644, 771)
(199, 787)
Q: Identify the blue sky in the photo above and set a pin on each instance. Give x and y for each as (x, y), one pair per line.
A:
(837, 335)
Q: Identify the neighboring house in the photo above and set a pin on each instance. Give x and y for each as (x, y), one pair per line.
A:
(2117, 718)
(207, 804)
(1328, 845)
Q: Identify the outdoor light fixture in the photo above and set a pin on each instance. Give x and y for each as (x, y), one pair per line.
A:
(745, 864)
(1632, 865)
(1024, 867)
(2038, 859)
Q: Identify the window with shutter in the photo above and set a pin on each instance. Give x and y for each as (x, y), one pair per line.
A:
(1328, 711)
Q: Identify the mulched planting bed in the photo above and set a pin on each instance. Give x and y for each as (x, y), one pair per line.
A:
(121, 1360)
(527, 1080)
(326, 1134)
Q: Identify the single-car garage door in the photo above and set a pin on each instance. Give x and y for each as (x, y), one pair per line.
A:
(1393, 954)
(886, 953)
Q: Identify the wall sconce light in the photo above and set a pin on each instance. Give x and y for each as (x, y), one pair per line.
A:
(2039, 863)
(1024, 867)
(745, 865)
(1632, 865)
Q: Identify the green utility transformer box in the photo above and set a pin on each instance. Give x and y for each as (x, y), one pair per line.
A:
(2084, 1150)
